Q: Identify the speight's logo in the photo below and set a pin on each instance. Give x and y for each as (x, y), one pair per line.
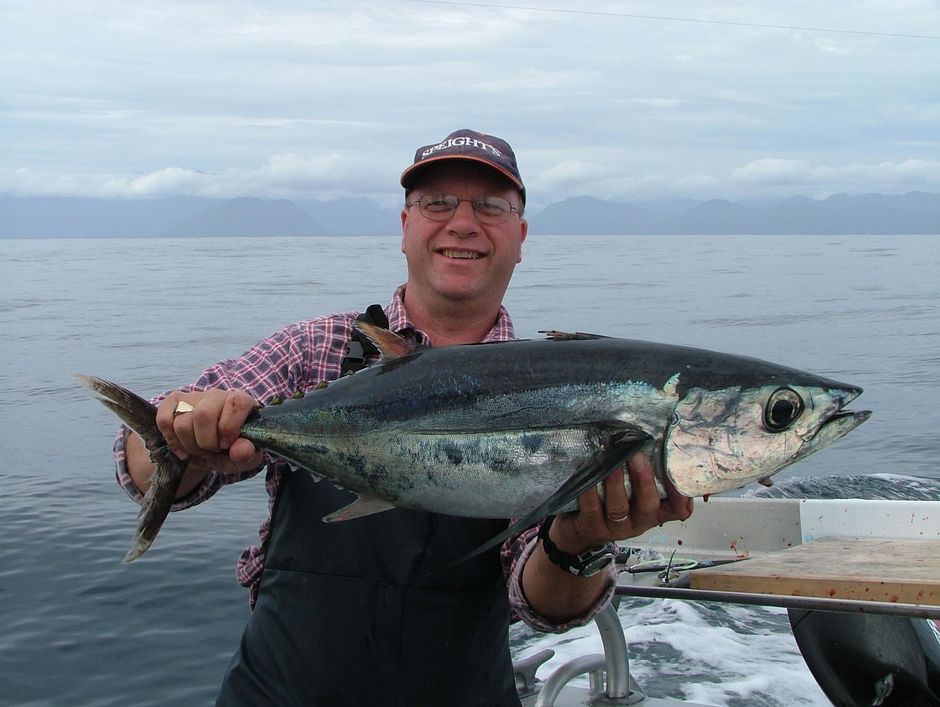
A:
(461, 142)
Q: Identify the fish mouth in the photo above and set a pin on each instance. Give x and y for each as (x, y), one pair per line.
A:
(841, 421)
(850, 418)
(839, 424)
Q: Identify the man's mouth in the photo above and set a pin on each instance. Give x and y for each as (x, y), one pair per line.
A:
(460, 254)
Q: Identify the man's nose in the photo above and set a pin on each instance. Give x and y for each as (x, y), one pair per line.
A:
(464, 221)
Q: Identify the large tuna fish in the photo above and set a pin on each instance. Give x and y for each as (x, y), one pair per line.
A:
(520, 429)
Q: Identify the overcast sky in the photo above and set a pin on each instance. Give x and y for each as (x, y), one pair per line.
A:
(629, 100)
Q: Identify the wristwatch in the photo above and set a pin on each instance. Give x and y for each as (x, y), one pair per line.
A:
(584, 564)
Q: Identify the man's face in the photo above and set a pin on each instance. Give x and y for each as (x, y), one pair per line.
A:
(461, 258)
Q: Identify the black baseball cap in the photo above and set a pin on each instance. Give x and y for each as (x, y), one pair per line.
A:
(467, 145)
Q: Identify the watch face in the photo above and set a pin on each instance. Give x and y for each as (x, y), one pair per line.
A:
(597, 565)
(597, 560)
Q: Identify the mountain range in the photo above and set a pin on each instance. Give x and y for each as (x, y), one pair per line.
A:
(83, 217)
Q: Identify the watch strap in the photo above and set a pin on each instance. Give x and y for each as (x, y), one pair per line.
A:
(584, 564)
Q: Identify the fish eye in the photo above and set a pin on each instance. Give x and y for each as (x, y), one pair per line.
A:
(784, 407)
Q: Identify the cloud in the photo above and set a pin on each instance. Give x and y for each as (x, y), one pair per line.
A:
(334, 175)
(165, 182)
(29, 182)
(301, 100)
(288, 175)
(770, 170)
(567, 175)
(793, 174)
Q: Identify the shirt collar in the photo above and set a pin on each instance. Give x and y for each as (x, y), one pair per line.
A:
(399, 322)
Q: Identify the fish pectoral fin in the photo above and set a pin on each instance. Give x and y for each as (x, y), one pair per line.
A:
(364, 505)
(555, 335)
(608, 456)
(388, 342)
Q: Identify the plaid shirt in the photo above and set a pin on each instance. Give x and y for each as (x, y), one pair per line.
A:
(299, 357)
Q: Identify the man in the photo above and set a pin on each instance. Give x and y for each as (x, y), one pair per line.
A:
(349, 613)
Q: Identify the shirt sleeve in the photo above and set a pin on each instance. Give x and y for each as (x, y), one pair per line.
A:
(275, 366)
(515, 553)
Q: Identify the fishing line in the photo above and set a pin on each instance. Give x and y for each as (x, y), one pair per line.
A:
(689, 20)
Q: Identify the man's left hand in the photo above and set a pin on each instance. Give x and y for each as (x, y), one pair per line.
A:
(620, 516)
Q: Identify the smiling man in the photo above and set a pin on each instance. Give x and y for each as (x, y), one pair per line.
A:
(359, 613)
(462, 231)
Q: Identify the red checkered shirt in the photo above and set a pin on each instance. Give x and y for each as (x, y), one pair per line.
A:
(299, 357)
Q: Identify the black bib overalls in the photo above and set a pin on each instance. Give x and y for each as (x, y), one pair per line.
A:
(348, 615)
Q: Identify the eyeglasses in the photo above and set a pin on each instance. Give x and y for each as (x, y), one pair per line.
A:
(441, 207)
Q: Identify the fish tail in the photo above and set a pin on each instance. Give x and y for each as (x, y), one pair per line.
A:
(141, 416)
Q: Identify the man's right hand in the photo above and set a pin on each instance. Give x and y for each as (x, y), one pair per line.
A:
(208, 437)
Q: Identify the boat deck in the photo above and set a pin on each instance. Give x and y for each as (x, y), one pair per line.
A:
(860, 569)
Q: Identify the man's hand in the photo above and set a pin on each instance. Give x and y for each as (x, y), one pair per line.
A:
(619, 516)
(560, 596)
(208, 436)
(211, 430)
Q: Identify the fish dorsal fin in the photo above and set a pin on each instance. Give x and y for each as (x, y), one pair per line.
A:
(388, 342)
(597, 467)
(555, 335)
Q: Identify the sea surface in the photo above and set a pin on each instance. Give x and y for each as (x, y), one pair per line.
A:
(77, 627)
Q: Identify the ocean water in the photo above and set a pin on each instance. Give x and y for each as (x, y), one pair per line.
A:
(78, 627)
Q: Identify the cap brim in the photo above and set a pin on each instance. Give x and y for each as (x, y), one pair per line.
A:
(411, 174)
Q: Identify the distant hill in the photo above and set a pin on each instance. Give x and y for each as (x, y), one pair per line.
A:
(585, 214)
(354, 217)
(74, 217)
(911, 213)
(249, 217)
(79, 217)
(63, 217)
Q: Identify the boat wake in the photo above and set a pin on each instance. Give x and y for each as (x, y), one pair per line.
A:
(873, 487)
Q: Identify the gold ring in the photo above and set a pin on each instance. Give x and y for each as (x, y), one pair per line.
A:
(181, 407)
(621, 519)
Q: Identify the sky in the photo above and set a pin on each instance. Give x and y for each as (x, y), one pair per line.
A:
(617, 100)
